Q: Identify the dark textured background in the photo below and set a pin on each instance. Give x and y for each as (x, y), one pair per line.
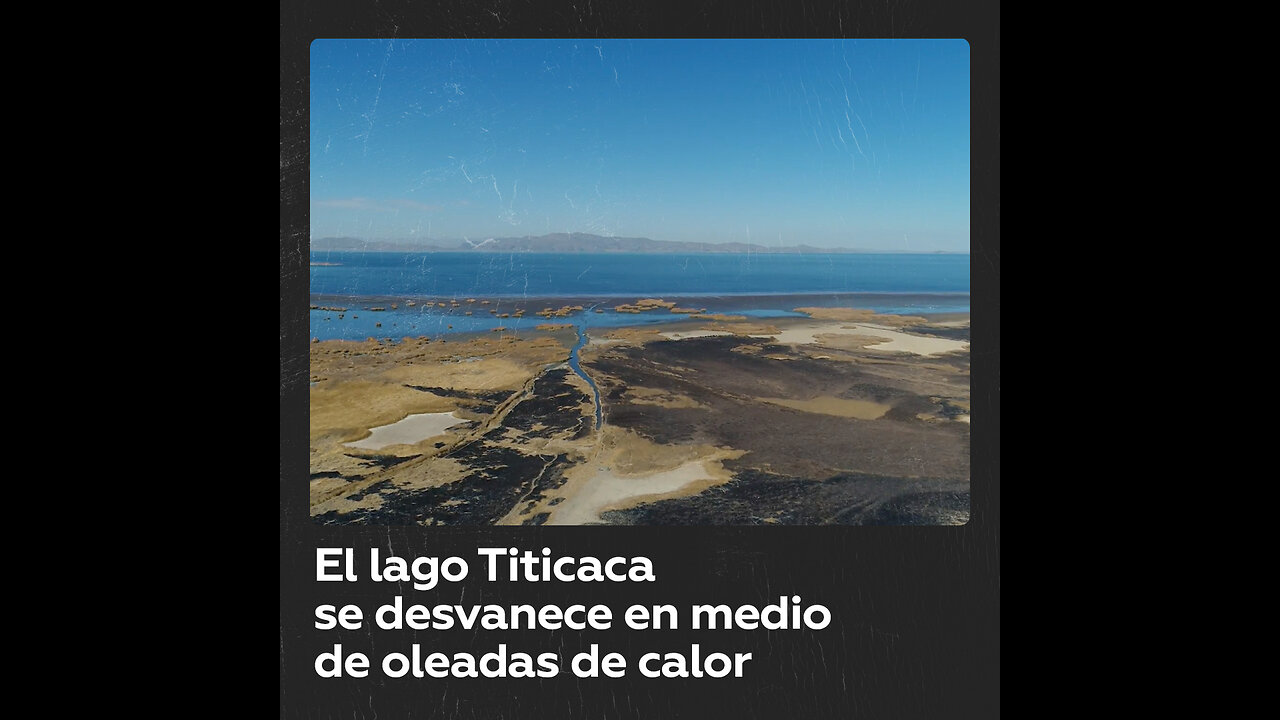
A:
(916, 629)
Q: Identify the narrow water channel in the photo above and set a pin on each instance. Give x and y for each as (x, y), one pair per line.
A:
(576, 366)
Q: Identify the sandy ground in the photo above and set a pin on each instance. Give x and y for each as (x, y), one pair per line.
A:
(621, 336)
(681, 418)
(359, 385)
(637, 395)
(693, 334)
(801, 333)
(861, 409)
(890, 340)
(413, 429)
(902, 342)
(860, 315)
(624, 469)
(607, 489)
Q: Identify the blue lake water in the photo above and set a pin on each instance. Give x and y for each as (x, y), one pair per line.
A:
(762, 285)
(575, 364)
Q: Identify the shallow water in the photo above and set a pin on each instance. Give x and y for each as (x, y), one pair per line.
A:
(756, 285)
(575, 364)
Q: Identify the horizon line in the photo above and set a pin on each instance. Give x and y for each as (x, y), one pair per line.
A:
(478, 247)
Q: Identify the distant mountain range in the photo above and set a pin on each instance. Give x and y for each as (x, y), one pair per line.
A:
(563, 243)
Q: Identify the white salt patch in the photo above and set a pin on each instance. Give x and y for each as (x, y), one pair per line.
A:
(607, 489)
(408, 431)
(802, 334)
(902, 342)
(894, 341)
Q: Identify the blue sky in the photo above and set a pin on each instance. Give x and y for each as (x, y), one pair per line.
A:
(834, 143)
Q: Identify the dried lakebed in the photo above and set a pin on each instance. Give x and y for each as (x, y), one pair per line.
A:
(844, 419)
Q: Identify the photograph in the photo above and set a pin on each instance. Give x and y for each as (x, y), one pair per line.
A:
(642, 282)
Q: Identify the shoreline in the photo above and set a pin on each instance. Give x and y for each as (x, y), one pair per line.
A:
(609, 297)
(357, 318)
(664, 325)
(762, 250)
(705, 420)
